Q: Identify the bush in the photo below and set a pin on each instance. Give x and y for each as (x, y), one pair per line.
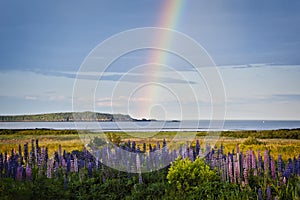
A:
(186, 175)
(251, 141)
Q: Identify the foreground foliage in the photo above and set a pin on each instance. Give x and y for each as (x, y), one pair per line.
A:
(197, 173)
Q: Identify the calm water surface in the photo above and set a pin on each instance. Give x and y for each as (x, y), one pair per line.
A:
(155, 125)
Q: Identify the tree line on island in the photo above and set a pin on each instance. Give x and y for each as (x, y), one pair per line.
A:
(67, 117)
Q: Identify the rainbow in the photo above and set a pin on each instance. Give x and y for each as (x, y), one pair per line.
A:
(170, 14)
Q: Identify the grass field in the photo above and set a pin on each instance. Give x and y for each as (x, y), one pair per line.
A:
(51, 139)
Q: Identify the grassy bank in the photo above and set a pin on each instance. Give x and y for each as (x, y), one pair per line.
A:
(278, 142)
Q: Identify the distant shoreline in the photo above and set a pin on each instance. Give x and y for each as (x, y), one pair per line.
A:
(86, 116)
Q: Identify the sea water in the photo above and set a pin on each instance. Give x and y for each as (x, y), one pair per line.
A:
(191, 125)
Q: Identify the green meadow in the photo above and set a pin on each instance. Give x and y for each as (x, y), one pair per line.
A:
(284, 142)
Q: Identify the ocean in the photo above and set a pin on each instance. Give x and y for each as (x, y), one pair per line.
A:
(192, 125)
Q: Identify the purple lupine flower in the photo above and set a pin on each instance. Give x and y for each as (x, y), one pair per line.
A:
(138, 168)
(174, 154)
(280, 166)
(239, 167)
(148, 163)
(222, 168)
(207, 157)
(63, 163)
(156, 160)
(230, 170)
(290, 166)
(65, 183)
(200, 153)
(197, 147)
(212, 154)
(133, 146)
(76, 163)
(41, 159)
(36, 154)
(183, 151)
(20, 154)
(28, 173)
(266, 162)
(208, 148)
(5, 163)
(242, 161)
(90, 169)
(288, 172)
(259, 162)
(1, 163)
(269, 193)
(254, 163)
(68, 163)
(273, 168)
(32, 146)
(43, 154)
(46, 154)
(71, 165)
(237, 171)
(248, 160)
(19, 173)
(295, 166)
(219, 151)
(253, 160)
(12, 167)
(49, 169)
(191, 154)
(56, 167)
(298, 165)
(245, 172)
(129, 144)
(60, 155)
(260, 194)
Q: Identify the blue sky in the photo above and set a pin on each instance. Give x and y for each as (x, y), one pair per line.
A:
(255, 44)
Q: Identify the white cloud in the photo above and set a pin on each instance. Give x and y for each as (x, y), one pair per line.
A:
(30, 97)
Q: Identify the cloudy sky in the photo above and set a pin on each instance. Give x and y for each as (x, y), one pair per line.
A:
(255, 45)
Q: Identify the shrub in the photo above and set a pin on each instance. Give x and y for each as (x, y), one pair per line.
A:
(186, 175)
(251, 141)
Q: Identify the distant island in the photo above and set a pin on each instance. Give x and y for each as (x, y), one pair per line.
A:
(67, 117)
